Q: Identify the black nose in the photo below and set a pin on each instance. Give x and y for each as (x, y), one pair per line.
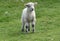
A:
(31, 9)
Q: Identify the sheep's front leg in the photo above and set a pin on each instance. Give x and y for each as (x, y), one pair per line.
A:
(33, 26)
(27, 27)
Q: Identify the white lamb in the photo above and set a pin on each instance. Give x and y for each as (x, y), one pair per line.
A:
(28, 16)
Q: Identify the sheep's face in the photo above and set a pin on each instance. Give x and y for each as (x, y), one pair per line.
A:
(30, 6)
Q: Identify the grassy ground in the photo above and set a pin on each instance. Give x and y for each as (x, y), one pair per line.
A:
(47, 26)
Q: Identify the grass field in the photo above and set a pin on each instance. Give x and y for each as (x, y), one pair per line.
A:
(47, 25)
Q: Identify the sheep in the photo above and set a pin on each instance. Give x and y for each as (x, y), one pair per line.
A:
(28, 16)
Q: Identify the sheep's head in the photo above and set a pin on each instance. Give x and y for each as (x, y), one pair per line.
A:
(30, 6)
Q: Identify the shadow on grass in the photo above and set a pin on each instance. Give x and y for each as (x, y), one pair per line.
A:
(20, 33)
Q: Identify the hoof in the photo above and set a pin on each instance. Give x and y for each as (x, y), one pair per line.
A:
(33, 31)
(22, 30)
(28, 29)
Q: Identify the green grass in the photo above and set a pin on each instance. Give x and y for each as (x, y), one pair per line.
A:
(47, 25)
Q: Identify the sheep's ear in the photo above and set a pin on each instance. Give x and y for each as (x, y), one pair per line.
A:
(35, 3)
(25, 5)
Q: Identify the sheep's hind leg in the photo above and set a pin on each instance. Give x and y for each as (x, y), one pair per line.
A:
(23, 27)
